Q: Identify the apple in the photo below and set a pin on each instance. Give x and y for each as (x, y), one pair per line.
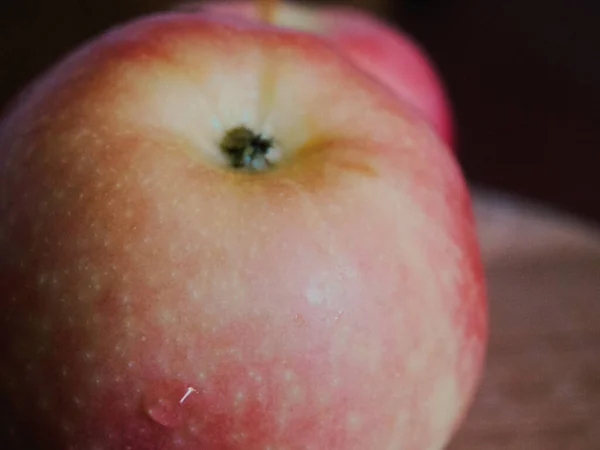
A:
(219, 234)
(385, 52)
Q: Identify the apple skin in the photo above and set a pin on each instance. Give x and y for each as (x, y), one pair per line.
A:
(385, 52)
(153, 298)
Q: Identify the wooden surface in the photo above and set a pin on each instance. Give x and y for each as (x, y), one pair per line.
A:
(541, 388)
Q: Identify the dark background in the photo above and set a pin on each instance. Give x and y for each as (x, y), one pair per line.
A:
(523, 76)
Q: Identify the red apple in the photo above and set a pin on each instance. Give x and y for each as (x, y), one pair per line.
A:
(217, 234)
(384, 52)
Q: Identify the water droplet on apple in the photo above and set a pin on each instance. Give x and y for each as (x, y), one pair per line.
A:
(338, 315)
(166, 402)
(166, 413)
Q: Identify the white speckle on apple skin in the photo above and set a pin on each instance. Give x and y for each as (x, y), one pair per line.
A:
(353, 421)
(314, 295)
(79, 403)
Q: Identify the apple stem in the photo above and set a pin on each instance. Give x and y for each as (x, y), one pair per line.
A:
(266, 9)
(247, 150)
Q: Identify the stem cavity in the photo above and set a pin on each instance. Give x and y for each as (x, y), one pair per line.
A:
(247, 150)
(266, 10)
